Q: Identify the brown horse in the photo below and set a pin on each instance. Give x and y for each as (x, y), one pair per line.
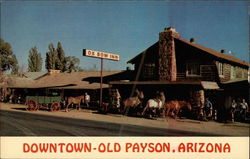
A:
(75, 100)
(105, 106)
(133, 102)
(175, 107)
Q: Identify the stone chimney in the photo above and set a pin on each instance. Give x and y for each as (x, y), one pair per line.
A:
(167, 58)
(50, 71)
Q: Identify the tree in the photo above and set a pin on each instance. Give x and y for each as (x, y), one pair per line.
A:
(34, 61)
(8, 60)
(72, 64)
(55, 59)
(14, 68)
(60, 60)
(51, 56)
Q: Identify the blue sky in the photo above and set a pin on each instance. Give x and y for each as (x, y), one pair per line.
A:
(122, 27)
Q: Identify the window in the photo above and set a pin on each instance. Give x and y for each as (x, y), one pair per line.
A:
(149, 71)
(193, 69)
(221, 69)
(233, 72)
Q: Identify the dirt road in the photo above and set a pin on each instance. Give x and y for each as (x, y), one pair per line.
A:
(179, 127)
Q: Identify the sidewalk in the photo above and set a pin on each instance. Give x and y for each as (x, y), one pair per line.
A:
(211, 127)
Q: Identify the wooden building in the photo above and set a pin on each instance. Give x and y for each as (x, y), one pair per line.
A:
(184, 68)
(54, 82)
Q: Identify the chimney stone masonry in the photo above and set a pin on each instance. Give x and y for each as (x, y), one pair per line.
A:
(167, 59)
(51, 71)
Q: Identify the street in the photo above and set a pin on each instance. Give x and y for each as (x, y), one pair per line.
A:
(23, 124)
(16, 121)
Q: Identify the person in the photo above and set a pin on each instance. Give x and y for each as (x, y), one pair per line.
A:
(158, 98)
(86, 99)
(233, 108)
(244, 108)
(118, 98)
(162, 108)
(208, 108)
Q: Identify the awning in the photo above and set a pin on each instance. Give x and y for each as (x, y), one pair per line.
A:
(209, 85)
(239, 80)
(83, 86)
(125, 82)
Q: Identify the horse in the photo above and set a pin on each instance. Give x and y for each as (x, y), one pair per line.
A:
(105, 106)
(176, 106)
(153, 105)
(75, 100)
(133, 102)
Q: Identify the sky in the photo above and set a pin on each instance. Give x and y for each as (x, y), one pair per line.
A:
(121, 27)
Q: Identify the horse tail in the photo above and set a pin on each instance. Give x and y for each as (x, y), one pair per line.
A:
(145, 108)
(124, 102)
(147, 105)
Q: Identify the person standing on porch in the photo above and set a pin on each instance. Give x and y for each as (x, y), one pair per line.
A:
(233, 108)
(86, 99)
(244, 108)
(208, 108)
(118, 98)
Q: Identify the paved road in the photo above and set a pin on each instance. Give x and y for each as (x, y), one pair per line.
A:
(26, 124)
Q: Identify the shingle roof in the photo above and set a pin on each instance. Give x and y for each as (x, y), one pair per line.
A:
(215, 53)
(212, 52)
(72, 80)
(34, 75)
(148, 51)
(10, 81)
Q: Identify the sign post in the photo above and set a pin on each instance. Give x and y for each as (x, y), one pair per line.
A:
(101, 55)
(101, 82)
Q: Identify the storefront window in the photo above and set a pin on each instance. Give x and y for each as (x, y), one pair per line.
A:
(233, 72)
(193, 69)
(221, 69)
(149, 71)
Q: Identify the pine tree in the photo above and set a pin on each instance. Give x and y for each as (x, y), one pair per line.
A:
(34, 61)
(51, 57)
(60, 61)
(14, 67)
(56, 59)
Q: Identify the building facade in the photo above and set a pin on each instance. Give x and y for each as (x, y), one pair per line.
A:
(185, 70)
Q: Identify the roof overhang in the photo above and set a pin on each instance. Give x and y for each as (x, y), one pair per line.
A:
(236, 81)
(89, 86)
(155, 82)
(207, 85)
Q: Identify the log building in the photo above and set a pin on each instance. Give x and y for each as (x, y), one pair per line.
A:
(186, 70)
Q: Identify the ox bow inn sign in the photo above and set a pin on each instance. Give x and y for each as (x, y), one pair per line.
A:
(100, 54)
